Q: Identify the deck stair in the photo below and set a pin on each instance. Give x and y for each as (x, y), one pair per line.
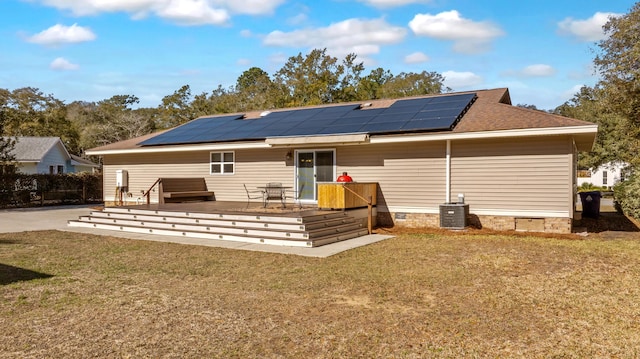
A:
(303, 229)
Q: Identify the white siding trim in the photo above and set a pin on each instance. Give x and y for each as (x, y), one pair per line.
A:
(184, 148)
(448, 172)
(520, 213)
(485, 212)
(572, 130)
(552, 131)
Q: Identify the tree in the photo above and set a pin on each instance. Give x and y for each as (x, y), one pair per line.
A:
(255, 90)
(370, 86)
(612, 140)
(310, 80)
(7, 159)
(615, 104)
(351, 77)
(618, 62)
(413, 84)
(529, 107)
(29, 112)
(6, 143)
(175, 109)
(114, 120)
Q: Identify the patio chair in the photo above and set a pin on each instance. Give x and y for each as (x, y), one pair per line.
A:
(274, 191)
(296, 195)
(253, 194)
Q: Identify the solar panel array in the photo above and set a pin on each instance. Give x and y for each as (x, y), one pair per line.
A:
(411, 115)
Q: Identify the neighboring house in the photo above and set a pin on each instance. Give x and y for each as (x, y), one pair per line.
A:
(47, 155)
(515, 167)
(606, 175)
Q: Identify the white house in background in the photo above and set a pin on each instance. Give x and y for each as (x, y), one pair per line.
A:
(606, 175)
(47, 155)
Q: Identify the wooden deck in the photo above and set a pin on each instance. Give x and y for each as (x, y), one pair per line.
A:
(234, 221)
(275, 209)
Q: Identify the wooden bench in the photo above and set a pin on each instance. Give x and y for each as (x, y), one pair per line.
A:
(184, 190)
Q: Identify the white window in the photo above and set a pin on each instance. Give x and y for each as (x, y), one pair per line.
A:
(222, 163)
(56, 170)
(604, 178)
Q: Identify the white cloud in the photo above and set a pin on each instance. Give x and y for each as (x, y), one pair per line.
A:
(416, 58)
(588, 30)
(251, 7)
(568, 94)
(243, 62)
(63, 64)
(459, 80)
(393, 3)
(538, 70)
(246, 33)
(61, 34)
(468, 36)
(277, 59)
(193, 12)
(185, 12)
(298, 19)
(363, 37)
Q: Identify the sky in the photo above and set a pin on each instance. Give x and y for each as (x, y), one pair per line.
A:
(91, 50)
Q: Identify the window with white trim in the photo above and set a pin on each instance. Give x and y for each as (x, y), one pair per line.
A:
(222, 163)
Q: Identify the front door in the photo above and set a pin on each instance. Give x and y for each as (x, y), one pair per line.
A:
(313, 167)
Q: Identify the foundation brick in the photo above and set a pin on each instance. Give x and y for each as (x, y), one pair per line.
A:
(498, 223)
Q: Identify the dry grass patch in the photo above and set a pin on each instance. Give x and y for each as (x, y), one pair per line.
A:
(417, 295)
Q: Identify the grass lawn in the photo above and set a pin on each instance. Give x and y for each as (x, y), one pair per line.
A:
(417, 295)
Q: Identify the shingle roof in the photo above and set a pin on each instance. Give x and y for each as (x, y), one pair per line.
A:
(32, 149)
(79, 161)
(491, 111)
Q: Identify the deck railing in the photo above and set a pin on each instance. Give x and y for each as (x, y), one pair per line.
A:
(147, 194)
(369, 202)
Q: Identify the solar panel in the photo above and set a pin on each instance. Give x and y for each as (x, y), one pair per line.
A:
(185, 133)
(352, 120)
(436, 114)
(420, 114)
(381, 127)
(435, 124)
(392, 117)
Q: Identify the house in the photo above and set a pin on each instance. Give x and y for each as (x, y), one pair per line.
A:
(47, 155)
(605, 176)
(514, 167)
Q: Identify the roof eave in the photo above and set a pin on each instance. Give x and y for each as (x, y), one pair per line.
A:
(584, 138)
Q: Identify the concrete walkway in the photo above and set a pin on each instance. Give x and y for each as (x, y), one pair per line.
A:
(55, 218)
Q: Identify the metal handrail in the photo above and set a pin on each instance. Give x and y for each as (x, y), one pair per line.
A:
(148, 192)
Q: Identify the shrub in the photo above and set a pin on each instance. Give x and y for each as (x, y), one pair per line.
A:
(38, 189)
(627, 195)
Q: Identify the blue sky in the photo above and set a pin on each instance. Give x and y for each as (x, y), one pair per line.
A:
(91, 50)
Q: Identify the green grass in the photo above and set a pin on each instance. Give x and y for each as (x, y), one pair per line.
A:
(416, 295)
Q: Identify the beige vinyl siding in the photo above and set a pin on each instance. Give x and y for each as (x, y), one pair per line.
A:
(409, 175)
(529, 174)
(252, 167)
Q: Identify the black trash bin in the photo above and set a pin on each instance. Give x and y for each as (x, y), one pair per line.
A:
(590, 203)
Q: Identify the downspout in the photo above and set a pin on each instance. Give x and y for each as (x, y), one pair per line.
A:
(448, 173)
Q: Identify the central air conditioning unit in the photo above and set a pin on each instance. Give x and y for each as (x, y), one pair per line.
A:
(454, 215)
